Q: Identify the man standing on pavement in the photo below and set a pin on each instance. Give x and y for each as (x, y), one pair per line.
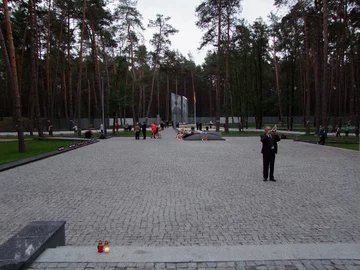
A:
(322, 134)
(137, 131)
(269, 150)
(143, 129)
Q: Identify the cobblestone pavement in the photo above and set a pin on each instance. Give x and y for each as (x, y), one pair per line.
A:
(173, 193)
(247, 265)
(169, 192)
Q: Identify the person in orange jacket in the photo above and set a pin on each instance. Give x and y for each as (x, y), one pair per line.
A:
(153, 130)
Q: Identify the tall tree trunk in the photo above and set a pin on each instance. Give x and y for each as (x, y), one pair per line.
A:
(307, 77)
(48, 68)
(96, 102)
(89, 101)
(55, 81)
(152, 89)
(96, 62)
(167, 106)
(277, 84)
(13, 71)
(9, 77)
(210, 95)
(80, 66)
(71, 106)
(176, 103)
(144, 101)
(133, 71)
(158, 93)
(330, 89)
(65, 92)
(194, 92)
(21, 61)
(218, 67)
(259, 110)
(34, 78)
(228, 104)
(324, 116)
(140, 104)
(317, 87)
(353, 86)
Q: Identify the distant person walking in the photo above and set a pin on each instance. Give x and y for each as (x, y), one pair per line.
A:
(153, 130)
(71, 125)
(137, 131)
(101, 128)
(269, 149)
(322, 135)
(143, 129)
(347, 130)
(338, 130)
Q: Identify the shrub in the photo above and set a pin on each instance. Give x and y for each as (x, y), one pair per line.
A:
(88, 134)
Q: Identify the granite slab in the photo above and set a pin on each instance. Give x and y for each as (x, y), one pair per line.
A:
(25, 246)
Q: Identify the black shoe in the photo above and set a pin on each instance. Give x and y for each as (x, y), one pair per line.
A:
(265, 179)
(273, 179)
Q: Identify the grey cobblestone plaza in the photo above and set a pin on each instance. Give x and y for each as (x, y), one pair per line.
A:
(168, 192)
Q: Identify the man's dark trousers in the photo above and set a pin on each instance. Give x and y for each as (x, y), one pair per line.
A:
(268, 159)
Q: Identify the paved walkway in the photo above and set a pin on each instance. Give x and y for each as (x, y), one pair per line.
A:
(167, 192)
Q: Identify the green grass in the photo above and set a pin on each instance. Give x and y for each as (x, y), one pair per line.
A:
(129, 134)
(329, 138)
(296, 127)
(355, 147)
(9, 150)
(351, 143)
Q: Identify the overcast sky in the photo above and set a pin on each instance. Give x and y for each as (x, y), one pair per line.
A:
(182, 13)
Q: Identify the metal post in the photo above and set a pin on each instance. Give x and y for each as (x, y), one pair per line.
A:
(195, 108)
(176, 111)
(102, 104)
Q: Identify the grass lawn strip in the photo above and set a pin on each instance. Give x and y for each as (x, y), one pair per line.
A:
(9, 150)
(351, 143)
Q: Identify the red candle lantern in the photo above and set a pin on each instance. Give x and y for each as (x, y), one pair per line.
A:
(100, 247)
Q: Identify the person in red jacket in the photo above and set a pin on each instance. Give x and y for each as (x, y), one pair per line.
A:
(153, 130)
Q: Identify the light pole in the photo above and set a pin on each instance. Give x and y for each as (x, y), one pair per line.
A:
(176, 111)
(195, 108)
(102, 105)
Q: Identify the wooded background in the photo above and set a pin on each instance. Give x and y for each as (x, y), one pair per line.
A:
(58, 56)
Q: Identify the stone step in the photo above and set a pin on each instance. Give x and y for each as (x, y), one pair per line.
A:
(89, 254)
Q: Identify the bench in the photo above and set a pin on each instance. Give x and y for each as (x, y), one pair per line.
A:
(22, 249)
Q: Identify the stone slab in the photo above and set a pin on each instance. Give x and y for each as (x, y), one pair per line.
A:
(24, 247)
(210, 136)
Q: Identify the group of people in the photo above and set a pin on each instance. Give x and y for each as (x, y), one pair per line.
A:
(347, 130)
(138, 129)
(337, 130)
(156, 129)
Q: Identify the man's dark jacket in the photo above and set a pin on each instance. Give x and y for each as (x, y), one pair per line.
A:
(266, 143)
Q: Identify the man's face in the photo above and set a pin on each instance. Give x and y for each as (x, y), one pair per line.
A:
(267, 129)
